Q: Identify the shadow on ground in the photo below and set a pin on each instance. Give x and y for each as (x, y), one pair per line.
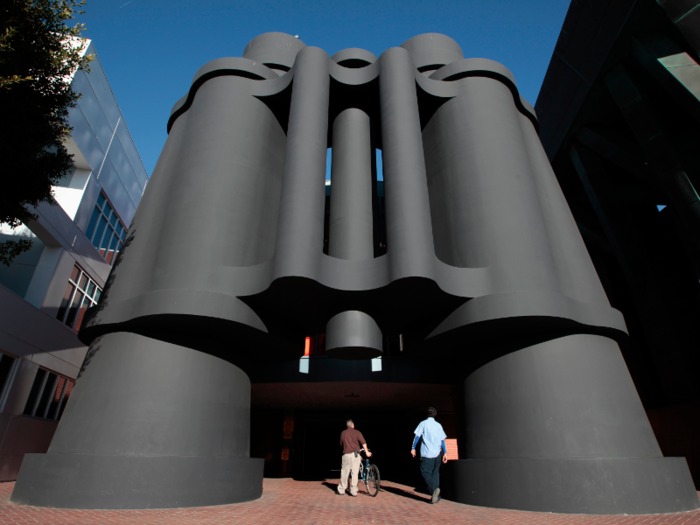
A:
(402, 492)
(332, 486)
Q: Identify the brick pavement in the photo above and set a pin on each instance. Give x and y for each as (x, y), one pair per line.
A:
(314, 502)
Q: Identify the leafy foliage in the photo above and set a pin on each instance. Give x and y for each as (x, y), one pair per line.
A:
(39, 52)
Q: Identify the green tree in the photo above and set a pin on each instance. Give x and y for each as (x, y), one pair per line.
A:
(40, 49)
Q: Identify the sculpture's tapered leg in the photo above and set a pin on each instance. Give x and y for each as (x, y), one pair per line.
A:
(149, 425)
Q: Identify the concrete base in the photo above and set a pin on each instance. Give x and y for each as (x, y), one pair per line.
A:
(80, 481)
(578, 486)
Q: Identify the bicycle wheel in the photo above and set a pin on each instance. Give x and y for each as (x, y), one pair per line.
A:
(373, 481)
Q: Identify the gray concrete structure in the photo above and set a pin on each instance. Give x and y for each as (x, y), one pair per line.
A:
(484, 269)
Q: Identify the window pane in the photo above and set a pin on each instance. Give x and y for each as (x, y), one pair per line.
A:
(113, 219)
(100, 230)
(5, 367)
(120, 230)
(74, 274)
(34, 393)
(46, 396)
(101, 200)
(91, 289)
(56, 399)
(69, 389)
(112, 247)
(97, 295)
(108, 210)
(124, 234)
(105, 242)
(93, 222)
(65, 302)
(87, 303)
(73, 312)
(83, 282)
(116, 252)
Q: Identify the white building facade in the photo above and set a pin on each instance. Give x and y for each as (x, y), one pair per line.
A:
(45, 292)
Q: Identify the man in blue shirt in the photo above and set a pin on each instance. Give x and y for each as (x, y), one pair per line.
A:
(433, 436)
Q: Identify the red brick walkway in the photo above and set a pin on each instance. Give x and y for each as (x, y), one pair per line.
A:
(310, 503)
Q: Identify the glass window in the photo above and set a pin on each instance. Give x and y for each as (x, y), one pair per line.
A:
(57, 396)
(6, 363)
(66, 396)
(49, 395)
(93, 222)
(100, 230)
(87, 303)
(105, 230)
(46, 395)
(73, 311)
(35, 392)
(105, 242)
(112, 249)
(81, 293)
(67, 296)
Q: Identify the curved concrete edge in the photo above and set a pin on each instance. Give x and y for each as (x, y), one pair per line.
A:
(350, 76)
(189, 302)
(231, 66)
(353, 335)
(532, 304)
(432, 49)
(354, 53)
(456, 70)
(577, 486)
(465, 65)
(81, 481)
(274, 48)
(484, 67)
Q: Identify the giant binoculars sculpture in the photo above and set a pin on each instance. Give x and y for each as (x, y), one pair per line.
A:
(484, 269)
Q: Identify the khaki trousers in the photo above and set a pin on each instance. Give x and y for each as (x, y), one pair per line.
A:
(350, 462)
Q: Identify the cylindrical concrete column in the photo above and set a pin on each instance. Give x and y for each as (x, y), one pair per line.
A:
(302, 204)
(149, 425)
(574, 271)
(409, 235)
(353, 335)
(485, 204)
(211, 203)
(559, 427)
(350, 234)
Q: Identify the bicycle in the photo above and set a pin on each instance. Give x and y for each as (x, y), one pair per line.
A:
(369, 474)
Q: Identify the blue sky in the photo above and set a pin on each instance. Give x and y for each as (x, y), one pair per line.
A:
(150, 49)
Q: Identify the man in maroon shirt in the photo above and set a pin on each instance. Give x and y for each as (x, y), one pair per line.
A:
(351, 440)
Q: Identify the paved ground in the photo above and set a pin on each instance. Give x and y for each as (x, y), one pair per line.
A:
(311, 503)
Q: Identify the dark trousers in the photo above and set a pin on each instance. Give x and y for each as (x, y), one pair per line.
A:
(430, 468)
